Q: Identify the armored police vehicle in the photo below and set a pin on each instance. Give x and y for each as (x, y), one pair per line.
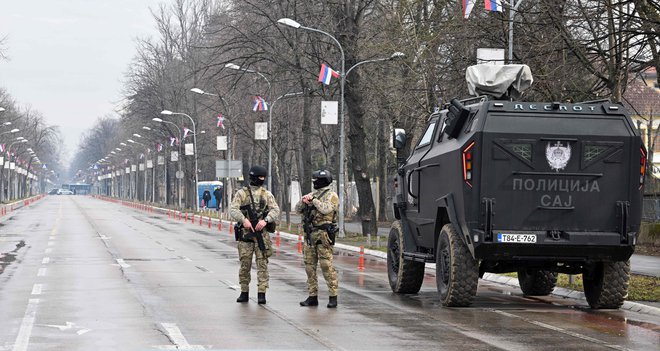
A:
(495, 185)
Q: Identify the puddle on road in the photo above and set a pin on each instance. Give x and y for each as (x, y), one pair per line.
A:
(7, 258)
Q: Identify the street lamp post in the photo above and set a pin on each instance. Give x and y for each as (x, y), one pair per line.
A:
(270, 144)
(159, 120)
(146, 149)
(342, 83)
(167, 112)
(2, 171)
(226, 186)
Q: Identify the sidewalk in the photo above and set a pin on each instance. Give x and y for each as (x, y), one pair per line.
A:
(640, 264)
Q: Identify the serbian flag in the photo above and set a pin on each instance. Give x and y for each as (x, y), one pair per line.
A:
(260, 104)
(159, 147)
(494, 5)
(221, 121)
(2, 147)
(326, 74)
(467, 7)
(185, 132)
(173, 140)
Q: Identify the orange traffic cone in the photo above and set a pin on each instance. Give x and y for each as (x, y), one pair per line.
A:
(361, 260)
(299, 243)
(219, 225)
(209, 222)
(231, 229)
(277, 239)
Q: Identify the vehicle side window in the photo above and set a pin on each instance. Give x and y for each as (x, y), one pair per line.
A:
(428, 136)
(443, 126)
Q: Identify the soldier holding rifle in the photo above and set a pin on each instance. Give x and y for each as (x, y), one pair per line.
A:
(319, 209)
(255, 211)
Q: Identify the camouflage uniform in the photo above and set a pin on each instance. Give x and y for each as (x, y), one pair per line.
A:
(263, 201)
(326, 204)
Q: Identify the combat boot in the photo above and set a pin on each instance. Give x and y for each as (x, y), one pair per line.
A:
(333, 302)
(311, 301)
(261, 298)
(244, 297)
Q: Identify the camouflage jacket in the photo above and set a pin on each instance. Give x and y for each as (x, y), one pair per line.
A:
(327, 206)
(263, 201)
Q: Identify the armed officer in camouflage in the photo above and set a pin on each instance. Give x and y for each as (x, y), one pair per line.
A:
(319, 209)
(255, 211)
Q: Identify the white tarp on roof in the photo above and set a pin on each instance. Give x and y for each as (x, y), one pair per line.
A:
(498, 80)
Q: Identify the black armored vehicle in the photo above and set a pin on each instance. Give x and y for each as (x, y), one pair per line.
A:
(495, 185)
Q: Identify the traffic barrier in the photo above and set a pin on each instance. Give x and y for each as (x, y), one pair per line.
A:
(361, 260)
(231, 229)
(219, 225)
(277, 239)
(192, 218)
(299, 243)
(209, 222)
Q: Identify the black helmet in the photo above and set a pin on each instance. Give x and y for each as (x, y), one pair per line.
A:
(255, 173)
(321, 178)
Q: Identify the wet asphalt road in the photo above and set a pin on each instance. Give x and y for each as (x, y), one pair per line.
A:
(77, 273)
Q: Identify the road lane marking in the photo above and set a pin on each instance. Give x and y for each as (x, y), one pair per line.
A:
(36, 289)
(122, 264)
(51, 243)
(48, 250)
(23, 337)
(42, 272)
(169, 249)
(177, 338)
(66, 327)
(46, 260)
(185, 258)
(203, 269)
(103, 237)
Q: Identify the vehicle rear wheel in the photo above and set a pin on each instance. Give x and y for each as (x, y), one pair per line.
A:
(405, 276)
(606, 284)
(456, 272)
(536, 282)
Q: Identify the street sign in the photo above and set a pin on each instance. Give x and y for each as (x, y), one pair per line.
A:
(329, 113)
(179, 174)
(222, 143)
(174, 156)
(189, 150)
(228, 168)
(260, 131)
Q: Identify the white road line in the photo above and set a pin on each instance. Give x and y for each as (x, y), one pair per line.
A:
(169, 249)
(23, 337)
(36, 289)
(185, 258)
(51, 243)
(48, 250)
(46, 260)
(122, 264)
(52, 237)
(42, 272)
(178, 339)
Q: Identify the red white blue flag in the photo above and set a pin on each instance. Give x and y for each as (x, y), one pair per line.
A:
(493, 5)
(326, 74)
(260, 104)
(221, 121)
(2, 147)
(467, 7)
(185, 132)
(173, 141)
(159, 147)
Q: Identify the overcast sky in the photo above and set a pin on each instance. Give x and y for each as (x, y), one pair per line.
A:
(67, 58)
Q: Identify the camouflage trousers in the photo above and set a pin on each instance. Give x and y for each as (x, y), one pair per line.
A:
(320, 253)
(245, 252)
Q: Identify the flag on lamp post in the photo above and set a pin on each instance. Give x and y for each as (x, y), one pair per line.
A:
(259, 104)
(185, 132)
(467, 7)
(221, 121)
(493, 5)
(326, 74)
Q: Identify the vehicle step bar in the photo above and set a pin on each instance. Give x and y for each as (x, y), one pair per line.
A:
(419, 257)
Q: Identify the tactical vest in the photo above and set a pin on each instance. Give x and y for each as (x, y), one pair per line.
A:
(320, 218)
(260, 204)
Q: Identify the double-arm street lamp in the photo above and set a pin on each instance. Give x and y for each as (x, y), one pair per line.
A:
(342, 83)
(194, 130)
(270, 114)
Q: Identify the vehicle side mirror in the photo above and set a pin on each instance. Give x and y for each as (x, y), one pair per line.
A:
(399, 138)
(456, 117)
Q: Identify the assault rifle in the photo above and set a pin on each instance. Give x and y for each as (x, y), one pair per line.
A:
(254, 219)
(308, 227)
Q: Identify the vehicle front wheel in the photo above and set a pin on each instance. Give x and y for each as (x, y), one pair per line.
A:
(536, 282)
(606, 284)
(405, 276)
(456, 272)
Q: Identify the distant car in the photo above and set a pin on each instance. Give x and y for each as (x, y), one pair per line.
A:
(64, 192)
(53, 191)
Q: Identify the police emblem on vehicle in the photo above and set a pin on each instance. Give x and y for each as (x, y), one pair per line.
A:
(558, 155)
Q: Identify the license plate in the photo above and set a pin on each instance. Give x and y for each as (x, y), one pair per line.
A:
(516, 238)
